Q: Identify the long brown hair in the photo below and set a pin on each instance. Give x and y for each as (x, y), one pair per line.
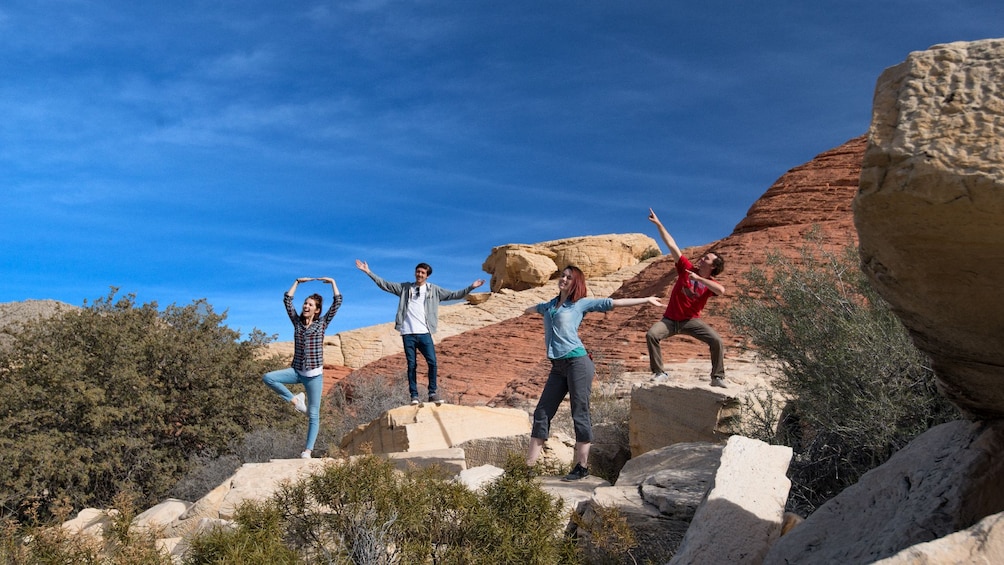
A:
(319, 301)
(578, 289)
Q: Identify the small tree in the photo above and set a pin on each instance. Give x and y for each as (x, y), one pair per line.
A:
(858, 388)
(117, 396)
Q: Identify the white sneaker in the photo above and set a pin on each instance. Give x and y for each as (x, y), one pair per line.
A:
(305, 454)
(660, 378)
(300, 402)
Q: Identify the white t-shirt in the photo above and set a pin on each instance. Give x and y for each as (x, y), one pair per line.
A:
(414, 318)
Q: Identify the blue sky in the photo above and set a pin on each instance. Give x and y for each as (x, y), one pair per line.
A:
(183, 150)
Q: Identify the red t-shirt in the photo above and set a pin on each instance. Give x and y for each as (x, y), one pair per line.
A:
(689, 296)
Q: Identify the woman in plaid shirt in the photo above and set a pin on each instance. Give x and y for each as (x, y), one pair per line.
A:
(308, 356)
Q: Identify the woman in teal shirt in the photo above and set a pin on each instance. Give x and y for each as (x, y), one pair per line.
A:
(571, 368)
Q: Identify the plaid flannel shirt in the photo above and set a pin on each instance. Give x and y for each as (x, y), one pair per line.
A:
(309, 340)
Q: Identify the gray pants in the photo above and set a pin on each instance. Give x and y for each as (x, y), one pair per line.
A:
(694, 327)
(573, 377)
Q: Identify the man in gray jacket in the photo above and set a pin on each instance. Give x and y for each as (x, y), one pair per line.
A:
(416, 319)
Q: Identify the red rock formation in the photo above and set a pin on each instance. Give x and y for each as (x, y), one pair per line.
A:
(504, 363)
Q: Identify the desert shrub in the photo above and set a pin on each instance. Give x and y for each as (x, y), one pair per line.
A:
(258, 539)
(34, 543)
(363, 511)
(857, 387)
(650, 253)
(609, 536)
(358, 400)
(118, 396)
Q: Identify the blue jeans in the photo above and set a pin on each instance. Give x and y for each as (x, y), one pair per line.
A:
(424, 345)
(574, 377)
(313, 386)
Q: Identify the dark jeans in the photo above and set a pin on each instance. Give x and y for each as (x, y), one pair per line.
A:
(573, 377)
(424, 345)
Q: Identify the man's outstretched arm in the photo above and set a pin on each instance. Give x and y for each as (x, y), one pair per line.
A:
(674, 249)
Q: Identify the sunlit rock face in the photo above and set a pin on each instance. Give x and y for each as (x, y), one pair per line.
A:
(930, 212)
(520, 266)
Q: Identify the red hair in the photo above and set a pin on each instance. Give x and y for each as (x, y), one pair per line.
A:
(578, 289)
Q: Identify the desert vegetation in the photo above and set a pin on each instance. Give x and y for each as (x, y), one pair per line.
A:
(118, 397)
(855, 388)
(364, 511)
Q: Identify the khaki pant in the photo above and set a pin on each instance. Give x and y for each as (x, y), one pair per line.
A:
(694, 327)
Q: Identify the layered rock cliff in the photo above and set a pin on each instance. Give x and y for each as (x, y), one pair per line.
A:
(504, 363)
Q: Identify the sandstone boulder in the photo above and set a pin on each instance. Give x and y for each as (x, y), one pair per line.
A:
(160, 516)
(930, 212)
(944, 481)
(520, 266)
(679, 411)
(982, 543)
(451, 460)
(603, 254)
(90, 521)
(477, 478)
(746, 500)
(14, 314)
(428, 427)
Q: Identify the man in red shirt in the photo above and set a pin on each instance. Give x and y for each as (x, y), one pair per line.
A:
(695, 284)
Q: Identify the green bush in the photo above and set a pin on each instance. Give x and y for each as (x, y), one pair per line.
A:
(117, 396)
(258, 540)
(858, 389)
(363, 511)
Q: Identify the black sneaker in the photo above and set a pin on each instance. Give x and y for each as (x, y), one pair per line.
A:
(414, 401)
(579, 472)
(436, 398)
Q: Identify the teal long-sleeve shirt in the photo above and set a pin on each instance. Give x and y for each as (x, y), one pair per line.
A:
(561, 324)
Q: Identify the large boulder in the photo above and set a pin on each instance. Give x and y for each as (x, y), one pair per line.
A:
(429, 427)
(741, 515)
(681, 410)
(930, 212)
(929, 217)
(944, 481)
(520, 266)
(982, 543)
